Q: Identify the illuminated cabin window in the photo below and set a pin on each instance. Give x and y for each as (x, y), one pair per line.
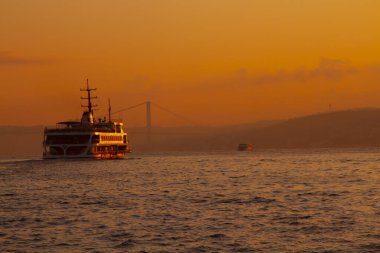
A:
(111, 138)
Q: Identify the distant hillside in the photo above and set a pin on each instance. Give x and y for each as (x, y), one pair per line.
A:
(341, 129)
(351, 128)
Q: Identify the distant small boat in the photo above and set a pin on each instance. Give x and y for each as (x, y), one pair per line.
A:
(245, 147)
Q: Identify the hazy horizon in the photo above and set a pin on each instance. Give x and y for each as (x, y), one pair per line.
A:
(263, 121)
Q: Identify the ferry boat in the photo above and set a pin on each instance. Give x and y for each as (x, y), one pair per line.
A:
(88, 138)
(245, 147)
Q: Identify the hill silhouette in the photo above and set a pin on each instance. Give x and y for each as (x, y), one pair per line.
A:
(340, 129)
(351, 128)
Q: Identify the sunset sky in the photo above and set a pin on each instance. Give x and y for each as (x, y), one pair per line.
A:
(214, 62)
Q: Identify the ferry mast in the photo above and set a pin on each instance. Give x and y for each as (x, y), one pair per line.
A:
(89, 104)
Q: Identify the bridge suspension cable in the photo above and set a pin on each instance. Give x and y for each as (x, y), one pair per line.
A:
(128, 108)
(172, 113)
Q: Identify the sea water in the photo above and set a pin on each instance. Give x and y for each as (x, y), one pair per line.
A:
(272, 201)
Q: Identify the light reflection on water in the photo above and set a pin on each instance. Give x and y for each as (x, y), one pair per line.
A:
(316, 201)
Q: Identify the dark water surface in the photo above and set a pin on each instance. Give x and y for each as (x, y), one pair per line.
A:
(320, 201)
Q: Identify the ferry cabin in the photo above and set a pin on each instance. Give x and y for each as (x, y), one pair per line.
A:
(100, 141)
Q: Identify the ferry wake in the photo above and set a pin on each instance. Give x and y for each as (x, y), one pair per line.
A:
(104, 139)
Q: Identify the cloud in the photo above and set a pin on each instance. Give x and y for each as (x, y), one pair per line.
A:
(326, 72)
(7, 59)
(328, 69)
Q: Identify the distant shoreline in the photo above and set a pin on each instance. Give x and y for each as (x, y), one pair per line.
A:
(349, 129)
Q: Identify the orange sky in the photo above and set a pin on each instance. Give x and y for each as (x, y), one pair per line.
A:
(212, 61)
